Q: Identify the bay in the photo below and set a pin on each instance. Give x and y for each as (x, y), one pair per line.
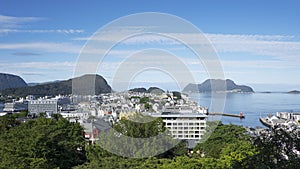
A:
(253, 105)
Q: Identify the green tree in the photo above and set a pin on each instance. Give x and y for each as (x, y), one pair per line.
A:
(277, 149)
(221, 137)
(42, 143)
(144, 100)
(7, 122)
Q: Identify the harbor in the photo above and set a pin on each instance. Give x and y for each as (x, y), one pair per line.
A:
(288, 119)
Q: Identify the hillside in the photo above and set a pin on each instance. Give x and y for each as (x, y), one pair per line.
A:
(217, 85)
(150, 90)
(11, 81)
(83, 85)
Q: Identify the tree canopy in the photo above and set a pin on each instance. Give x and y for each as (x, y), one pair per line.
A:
(41, 143)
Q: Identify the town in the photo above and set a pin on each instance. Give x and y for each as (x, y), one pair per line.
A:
(183, 117)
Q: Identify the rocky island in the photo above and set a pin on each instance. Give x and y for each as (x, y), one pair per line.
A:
(217, 85)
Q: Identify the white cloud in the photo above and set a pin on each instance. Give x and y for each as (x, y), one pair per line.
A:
(283, 47)
(260, 64)
(8, 24)
(279, 46)
(39, 65)
(65, 31)
(12, 22)
(42, 46)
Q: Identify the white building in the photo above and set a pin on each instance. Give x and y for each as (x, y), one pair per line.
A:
(47, 106)
(185, 126)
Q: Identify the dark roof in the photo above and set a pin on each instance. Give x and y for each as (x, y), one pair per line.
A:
(101, 125)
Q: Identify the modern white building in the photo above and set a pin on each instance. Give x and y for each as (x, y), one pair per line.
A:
(184, 126)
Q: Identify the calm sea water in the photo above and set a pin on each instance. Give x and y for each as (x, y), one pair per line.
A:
(252, 105)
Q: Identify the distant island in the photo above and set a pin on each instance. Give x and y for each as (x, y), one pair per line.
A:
(294, 92)
(217, 85)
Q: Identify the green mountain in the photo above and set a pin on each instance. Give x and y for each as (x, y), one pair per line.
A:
(150, 90)
(83, 85)
(11, 81)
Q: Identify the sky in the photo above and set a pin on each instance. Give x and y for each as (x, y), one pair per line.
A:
(257, 42)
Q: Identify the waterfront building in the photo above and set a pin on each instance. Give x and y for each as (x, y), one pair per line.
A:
(15, 106)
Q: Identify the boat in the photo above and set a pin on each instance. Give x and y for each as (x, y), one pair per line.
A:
(265, 122)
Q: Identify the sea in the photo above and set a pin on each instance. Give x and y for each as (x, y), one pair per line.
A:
(252, 105)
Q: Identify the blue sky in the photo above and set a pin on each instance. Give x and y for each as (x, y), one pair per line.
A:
(258, 42)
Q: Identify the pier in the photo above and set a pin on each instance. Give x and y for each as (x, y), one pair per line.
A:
(227, 114)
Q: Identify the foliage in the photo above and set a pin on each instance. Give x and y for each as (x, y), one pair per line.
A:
(42, 143)
(235, 152)
(57, 143)
(147, 106)
(277, 149)
(144, 100)
(137, 136)
(7, 122)
(223, 136)
(177, 94)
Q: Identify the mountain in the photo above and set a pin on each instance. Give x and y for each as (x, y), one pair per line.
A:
(34, 84)
(217, 85)
(140, 90)
(83, 85)
(11, 81)
(150, 90)
(294, 92)
(155, 90)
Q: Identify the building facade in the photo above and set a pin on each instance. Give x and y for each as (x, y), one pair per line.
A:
(42, 106)
(185, 126)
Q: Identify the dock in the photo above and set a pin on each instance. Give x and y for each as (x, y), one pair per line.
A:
(227, 114)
